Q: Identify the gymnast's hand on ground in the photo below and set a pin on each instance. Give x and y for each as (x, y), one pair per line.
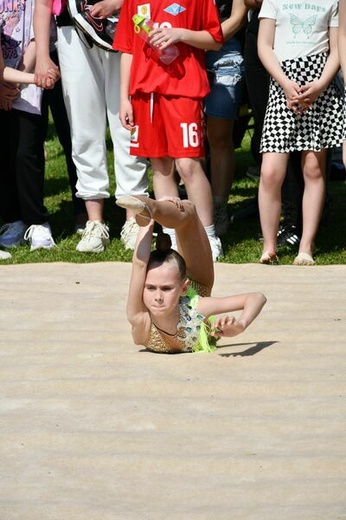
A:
(227, 326)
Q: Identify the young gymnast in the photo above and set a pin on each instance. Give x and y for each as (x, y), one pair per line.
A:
(297, 44)
(169, 305)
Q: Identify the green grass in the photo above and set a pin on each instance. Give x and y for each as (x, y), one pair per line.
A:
(241, 244)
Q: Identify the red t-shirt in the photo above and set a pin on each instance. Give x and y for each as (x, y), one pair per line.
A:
(186, 75)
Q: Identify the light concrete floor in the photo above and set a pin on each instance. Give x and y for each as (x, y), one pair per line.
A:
(95, 428)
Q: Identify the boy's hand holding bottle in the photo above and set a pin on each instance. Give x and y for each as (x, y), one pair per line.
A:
(144, 27)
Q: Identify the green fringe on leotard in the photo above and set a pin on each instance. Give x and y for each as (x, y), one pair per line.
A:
(206, 342)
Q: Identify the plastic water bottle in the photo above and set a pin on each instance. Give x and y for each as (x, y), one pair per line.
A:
(143, 27)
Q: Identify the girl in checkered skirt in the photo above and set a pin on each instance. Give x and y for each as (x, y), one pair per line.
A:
(297, 44)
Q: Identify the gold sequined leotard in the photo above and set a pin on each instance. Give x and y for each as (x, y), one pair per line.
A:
(192, 329)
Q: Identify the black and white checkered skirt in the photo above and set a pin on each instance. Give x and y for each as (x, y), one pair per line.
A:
(344, 134)
(322, 126)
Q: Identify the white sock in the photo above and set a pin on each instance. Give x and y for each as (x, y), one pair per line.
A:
(210, 230)
(171, 233)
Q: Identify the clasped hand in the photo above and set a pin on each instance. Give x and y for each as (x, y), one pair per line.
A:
(300, 98)
(8, 93)
(46, 74)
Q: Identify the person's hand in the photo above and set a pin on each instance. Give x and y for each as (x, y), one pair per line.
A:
(47, 73)
(54, 75)
(293, 96)
(105, 8)
(299, 105)
(162, 37)
(8, 93)
(126, 115)
(227, 326)
(311, 92)
(295, 99)
(175, 200)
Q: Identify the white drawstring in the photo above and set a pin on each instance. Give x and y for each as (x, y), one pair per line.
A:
(151, 106)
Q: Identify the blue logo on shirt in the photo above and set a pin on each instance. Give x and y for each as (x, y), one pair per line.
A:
(175, 9)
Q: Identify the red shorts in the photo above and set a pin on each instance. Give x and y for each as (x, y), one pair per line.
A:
(167, 126)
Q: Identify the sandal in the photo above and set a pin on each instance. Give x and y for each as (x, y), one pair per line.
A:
(304, 259)
(269, 258)
(136, 205)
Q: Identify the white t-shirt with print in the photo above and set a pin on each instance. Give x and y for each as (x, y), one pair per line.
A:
(301, 28)
(17, 19)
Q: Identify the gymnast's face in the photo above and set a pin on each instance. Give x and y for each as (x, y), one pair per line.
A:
(163, 288)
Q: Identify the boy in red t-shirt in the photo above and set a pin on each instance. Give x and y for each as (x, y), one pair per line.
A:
(162, 105)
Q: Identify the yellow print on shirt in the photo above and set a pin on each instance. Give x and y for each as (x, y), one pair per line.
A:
(144, 10)
(299, 25)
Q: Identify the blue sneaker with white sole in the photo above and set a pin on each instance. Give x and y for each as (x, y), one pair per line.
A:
(12, 234)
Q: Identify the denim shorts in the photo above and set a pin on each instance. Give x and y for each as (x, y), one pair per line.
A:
(226, 74)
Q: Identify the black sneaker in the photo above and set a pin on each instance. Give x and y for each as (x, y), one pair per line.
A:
(288, 237)
(100, 30)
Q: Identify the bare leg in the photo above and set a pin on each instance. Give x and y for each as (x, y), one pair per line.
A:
(273, 172)
(95, 209)
(163, 177)
(197, 188)
(314, 165)
(222, 156)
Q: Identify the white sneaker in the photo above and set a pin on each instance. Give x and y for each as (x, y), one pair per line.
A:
(221, 219)
(4, 255)
(39, 237)
(216, 247)
(129, 232)
(95, 237)
(12, 234)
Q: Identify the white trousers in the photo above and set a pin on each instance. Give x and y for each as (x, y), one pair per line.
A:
(90, 82)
